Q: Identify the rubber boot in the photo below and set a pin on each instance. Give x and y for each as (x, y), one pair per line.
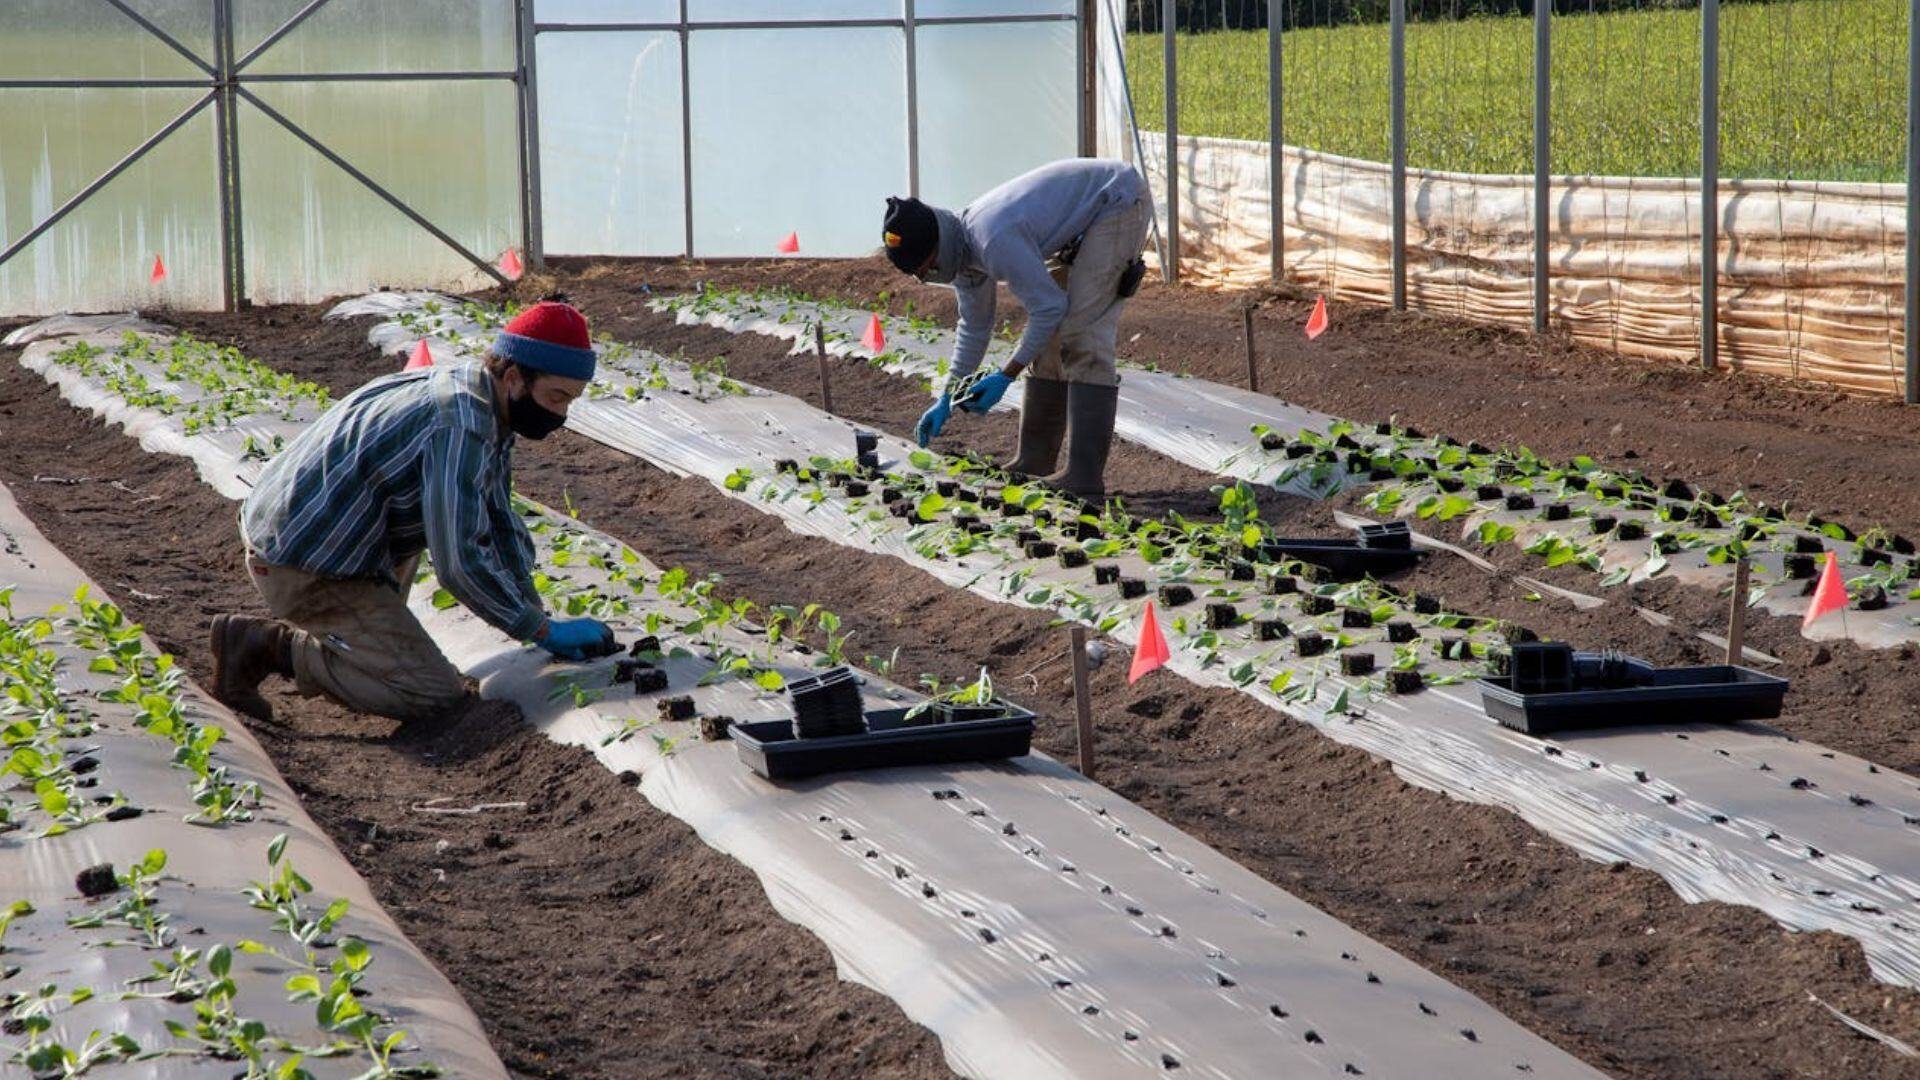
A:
(245, 651)
(1043, 425)
(1090, 411)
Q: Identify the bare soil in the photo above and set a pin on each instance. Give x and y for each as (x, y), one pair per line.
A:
(1604, 960)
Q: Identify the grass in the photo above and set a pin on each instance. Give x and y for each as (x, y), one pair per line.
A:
(1809, 89)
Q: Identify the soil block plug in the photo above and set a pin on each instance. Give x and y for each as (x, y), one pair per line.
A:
(1132, 587)
(1105, 573)
(1072, 557)
(1404, 681)
(1269, 629)
(1222, 616)
(677, 708)
(1312, 604)
(1356, 663)
(1175, 595)
(1311, 643)
(1400, 632)
(1356, 618)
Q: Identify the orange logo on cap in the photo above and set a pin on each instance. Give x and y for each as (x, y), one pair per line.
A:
(892, 239)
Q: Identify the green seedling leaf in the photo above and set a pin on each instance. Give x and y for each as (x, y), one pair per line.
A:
(442, 600)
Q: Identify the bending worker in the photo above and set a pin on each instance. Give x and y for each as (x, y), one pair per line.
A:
(1066, 240)
(416, 461)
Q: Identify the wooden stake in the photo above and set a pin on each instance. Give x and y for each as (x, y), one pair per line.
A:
(1082, 700)
(1253, 373)
(820, 351)
(1737, 615)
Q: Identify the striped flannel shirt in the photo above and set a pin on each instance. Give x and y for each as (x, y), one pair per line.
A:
(409, 462)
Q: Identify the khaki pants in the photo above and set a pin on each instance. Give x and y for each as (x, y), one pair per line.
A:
(1082, 350)
(356, 642)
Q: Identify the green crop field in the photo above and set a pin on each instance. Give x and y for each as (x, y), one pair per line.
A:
(1809, 89)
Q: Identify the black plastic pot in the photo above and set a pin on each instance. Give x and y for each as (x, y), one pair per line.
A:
(1222, 616)
(1712, 694)
(1175, 595)
(865, 442)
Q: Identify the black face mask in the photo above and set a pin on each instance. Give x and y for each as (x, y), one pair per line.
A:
(530, 419)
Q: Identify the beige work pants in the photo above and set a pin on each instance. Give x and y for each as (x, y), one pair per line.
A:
(1082, 350)
(356, 642)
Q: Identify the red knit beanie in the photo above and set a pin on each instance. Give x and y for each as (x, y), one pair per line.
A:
(550, 337)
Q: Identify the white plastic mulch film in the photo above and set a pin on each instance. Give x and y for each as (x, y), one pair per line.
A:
(1231, 431)
(1739, 813)
(174, 793)
(308, 230)
(1811, 270)
(1039, 923)
(796, 129)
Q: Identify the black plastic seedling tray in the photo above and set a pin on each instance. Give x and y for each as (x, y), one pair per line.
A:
(1379, 549)
(769, 748)
(1714, 694)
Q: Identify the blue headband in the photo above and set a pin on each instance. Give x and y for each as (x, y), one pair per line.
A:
(547, 356)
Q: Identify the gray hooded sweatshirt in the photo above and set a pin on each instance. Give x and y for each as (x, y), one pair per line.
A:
(1009, 233)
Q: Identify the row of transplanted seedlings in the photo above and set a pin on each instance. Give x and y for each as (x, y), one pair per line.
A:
(1219, 596)
(1489, 491)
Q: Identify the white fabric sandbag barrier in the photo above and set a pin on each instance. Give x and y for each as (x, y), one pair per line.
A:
(1040, 924)
(200, 892)
(1211, 427)
(1716, 810)
(1810, 271)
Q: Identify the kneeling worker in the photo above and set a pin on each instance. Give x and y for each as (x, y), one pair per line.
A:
(415, 461)
(1066, 239)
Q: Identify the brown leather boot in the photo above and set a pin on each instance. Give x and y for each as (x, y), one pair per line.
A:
(245, 651)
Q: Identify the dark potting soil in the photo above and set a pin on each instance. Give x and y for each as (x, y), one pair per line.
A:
(1845, 457)
(1606, 961)
(595, 936)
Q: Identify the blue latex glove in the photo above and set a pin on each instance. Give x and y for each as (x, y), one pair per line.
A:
(933, 420)
(578, 639)
(986, 393)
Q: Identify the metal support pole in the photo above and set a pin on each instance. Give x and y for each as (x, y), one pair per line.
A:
(1709, 184)
(232, 179)
(525, 45)
(1542, 155)
(913, 102)
(1089, 65)
(1246, 328)
(1277, 147)
(1737, 615)
(1082, 700)
(1911, 289)
(686, 128)
(1397, 107)
(223, 163)
(820, 353)
(1169, 10)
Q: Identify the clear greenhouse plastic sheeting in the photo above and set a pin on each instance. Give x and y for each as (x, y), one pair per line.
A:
(1816, 839)
(1811, 271)
(1217, 429)
(199, 895)
(1040, 924)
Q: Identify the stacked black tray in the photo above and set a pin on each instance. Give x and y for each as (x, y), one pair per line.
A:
(1548, 687)
(1374, 550)
(826, 705)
